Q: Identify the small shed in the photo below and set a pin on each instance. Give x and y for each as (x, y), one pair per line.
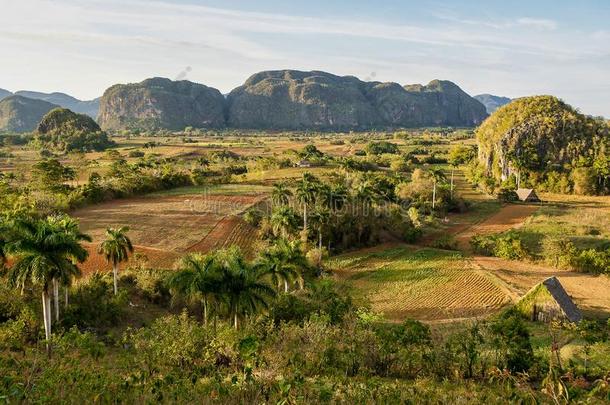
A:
(527, 195)
(304, 163)
(549, 301)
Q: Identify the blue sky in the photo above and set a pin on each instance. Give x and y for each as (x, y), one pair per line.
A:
(510, 48)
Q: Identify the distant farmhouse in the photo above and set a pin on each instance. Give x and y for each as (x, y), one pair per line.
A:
(305, 163)
(549, 301)
(527, 195)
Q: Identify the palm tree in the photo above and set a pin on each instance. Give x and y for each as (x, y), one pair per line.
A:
(280, 194)
(116, 249)
(196, 279)
(70, 227)
(283, 221)
(437, 176)
(283, 263)
(306, 191)
(320, 217)
(44, 252)
(242, 286)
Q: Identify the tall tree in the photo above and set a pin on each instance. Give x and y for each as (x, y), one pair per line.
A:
(116, 249)
(320, 217)
(243, 287)
(43, 252)
(280, 194)
(437, 177)
(197, 280)
(306, 191)
(284, 263)
(283, 221)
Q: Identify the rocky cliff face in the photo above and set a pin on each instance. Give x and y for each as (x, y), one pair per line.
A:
(491, 102)
(439, 103)
(289, 99)
(299, 100)
(536, 134)
(161, 103)
(21, 114)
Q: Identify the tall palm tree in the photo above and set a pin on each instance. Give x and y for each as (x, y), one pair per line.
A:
(280, 194)
(116, 249)
(437, 176)
(320, 218)
(43, 252)
(306, 191)
(283, 263)
(283, 221)
(243, 287)
(70, 227)
(197, 279)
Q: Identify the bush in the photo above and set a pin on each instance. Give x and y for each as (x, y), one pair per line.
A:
(507, 195)
(136, 154)
(504, 245)
(93, 304)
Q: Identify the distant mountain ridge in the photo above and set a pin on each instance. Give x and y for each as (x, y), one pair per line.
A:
(22, 114)
(289, 99)
(89, 107)
(4, 94)
(491, 102)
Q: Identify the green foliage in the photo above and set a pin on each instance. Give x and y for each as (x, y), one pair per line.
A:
(93, 306)
(506, 245)
(546, 142)
(63, 130)
(381, 147)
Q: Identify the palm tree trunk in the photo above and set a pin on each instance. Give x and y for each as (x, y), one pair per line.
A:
(285, 285)
(56, 298)
(304, 216)
(205, 311)
(451, 194)
(46, 312)
(235, 320)
(320, 247)
(434, 196)
(115, 273)
(66, 296)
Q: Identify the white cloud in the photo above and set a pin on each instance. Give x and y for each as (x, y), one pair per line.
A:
(538, 23)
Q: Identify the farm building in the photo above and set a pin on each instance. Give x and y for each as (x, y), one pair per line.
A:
(305, 163)
(549, 301)
(527, 195)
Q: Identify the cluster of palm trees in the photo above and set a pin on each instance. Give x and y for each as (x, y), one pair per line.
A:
(322, 204)
(45, 254)
(225, 283)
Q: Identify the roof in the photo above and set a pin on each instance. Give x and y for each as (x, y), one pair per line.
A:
(562, 298)
(525, 193)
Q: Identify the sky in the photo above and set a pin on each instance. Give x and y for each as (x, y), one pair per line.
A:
(509, 48)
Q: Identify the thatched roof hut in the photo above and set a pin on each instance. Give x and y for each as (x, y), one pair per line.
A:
(548, 301)
(527, 195)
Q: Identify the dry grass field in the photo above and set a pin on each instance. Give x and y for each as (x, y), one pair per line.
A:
(162, 227)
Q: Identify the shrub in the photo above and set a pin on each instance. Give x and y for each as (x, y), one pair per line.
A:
(136, 154)
(504, 245)
(506, 195)
(93, 304)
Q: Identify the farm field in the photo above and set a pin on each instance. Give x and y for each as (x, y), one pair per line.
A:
(162, 227)
(421, 283)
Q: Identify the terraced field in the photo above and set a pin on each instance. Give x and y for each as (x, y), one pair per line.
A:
(425, 284)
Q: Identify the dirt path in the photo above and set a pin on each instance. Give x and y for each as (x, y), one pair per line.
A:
(509, 216)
